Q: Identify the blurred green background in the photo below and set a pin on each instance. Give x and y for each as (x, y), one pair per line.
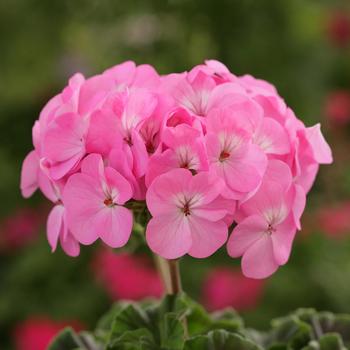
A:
(303, 47)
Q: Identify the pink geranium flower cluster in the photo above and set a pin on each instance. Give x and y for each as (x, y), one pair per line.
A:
(200, 152)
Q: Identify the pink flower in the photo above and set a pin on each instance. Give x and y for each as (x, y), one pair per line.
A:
(335, 221)
(186, 149)
(267, 224)
(37, 332)
(338, 107)
(231, 153)
(225, 287)
(205, 148)
(339, 28)
(126, 276)
(93, 200)
(186, 217)
(20, 228)
(64, 144)
(57, 229)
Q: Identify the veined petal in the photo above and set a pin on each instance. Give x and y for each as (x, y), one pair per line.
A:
(245, 234)
(169, 235)
(258, 261)
(207, 236)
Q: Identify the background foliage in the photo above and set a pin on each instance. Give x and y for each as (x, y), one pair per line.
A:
(303, 47)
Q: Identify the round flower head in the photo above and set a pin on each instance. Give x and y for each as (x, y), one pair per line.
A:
(193, 154)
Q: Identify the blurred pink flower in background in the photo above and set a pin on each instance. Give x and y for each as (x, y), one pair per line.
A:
(21, 228)
(125, 276)
(338, 107)
(226, 287)
(36, 332)
(335, 222)
(339, 28)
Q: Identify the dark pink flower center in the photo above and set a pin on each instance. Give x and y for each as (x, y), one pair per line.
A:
(224, 155)
(186, 209)
(108, 202)
(270, 229)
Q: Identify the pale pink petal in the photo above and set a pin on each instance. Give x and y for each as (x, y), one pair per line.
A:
(104, 133)
(146, 77)
(119, 185)
(140, 155)
(29, 174)
(299, 204)
(70, 245)
(169, 235)
(160, 164)
(114, 225)
(279, 172)
(258, 261)
(321, 150)
(162, 194)
(122, 74)
(205, 186)
(93, 92)
(282, 240)
(93, 166)
(207, 236)
(55, 225)
(245, 234)
(83, 199)
(272, 137)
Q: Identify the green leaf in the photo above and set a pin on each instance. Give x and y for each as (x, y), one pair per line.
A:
(226, 319)
(291, 331)
(140, 339)
(172, 332)
(220, 340)
(67, 339)
(331, 341)
(130, 318)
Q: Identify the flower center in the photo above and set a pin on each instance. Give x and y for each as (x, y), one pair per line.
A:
(186, 209)
(108, 202)
(224, 155)
(270, 229)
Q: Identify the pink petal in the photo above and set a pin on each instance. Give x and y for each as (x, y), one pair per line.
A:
(272, 137)
(161, 195)
(319, 145)
(29, 174)
(279, 172)
(271, 202)
(282, 240)
(93, 92)
(55, 225)
(104, 133)
(70, 245)
(120, 184)
(169, 235)
(114, 225)
(160, 164)
(83, 199)
(299, 204)
(207, 236)
(245, 234)
(258, 261)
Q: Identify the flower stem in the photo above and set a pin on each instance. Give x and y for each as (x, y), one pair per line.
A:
(170, 272)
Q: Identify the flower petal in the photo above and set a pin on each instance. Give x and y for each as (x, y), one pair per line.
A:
(207, 236)
(258, 261)
(169, 235)
(245, 234)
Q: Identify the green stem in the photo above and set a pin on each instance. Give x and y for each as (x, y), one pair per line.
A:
(170, 273)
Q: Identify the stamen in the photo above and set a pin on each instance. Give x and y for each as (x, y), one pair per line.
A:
(270, 229)
(108, 202)
(224, 155)
(186, 209)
